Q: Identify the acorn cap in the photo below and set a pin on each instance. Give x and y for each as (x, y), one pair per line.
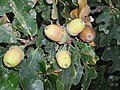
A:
(65, 38)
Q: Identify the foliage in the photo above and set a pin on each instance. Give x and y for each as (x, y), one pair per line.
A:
(22, 23)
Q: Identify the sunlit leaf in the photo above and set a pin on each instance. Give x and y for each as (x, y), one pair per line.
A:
(27, 21)
(8, 35)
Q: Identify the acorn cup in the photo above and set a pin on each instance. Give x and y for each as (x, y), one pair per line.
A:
(56, 33)
(75, 27)
(13, 56)
(63, 58)
(88, 34)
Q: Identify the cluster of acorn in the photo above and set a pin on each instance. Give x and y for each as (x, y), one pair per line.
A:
(58, 34)
(76, 27)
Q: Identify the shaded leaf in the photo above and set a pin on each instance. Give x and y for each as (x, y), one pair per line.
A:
(52, 78)
(75, 2)
(38, 85)
(50, 51)
(66, 77)
(77, 63)
(113, 28)
(46, 14)
(42, 6)
(43, 66)
(112, 53)
(66, 13)
(89, 74)
(104, 19)
(40, 39)
(26, 84)
(30, 67)
(117, 34)
(87, 53)
(59, 85)
(9, 81)
(2, 51)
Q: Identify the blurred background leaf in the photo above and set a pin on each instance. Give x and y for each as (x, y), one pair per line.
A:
(112, 53)
(10, 81)
(4, 7)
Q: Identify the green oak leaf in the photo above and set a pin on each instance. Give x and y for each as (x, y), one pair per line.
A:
(25, 15)
(7, 34)
(9, 81)
(89, 74)
(4, 7)
(113, 54)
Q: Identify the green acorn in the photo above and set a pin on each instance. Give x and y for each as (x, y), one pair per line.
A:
(13, 56)
(63, 58)
(75, 27)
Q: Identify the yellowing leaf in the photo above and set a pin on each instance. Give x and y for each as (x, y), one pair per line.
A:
(74, 13)
(54, 13)
(82, 4)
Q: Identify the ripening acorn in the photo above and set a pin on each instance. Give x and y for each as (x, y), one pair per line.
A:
(88, 34)
(13, 56)
(75, 27)
(56, 33)
(63, 58)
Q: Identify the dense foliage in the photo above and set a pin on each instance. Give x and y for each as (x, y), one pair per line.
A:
(92, 65)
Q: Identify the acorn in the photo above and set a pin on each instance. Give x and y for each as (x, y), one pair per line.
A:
(75, 27)
(13, 56)
(64, 39)
(63, 58)
(56, 33)
(88, 34)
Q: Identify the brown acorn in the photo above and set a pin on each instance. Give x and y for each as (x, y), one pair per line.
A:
(56, 33)
(88, 34)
